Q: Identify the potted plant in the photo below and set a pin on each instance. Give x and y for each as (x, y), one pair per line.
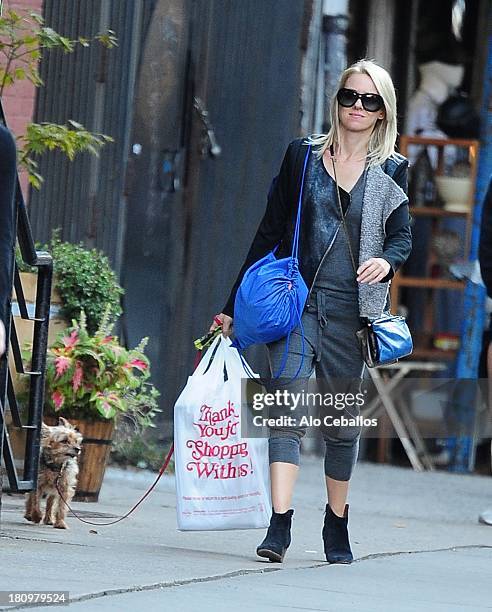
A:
(91, 380)
(83, 280)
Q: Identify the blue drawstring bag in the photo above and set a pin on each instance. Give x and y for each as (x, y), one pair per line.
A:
(271, 297)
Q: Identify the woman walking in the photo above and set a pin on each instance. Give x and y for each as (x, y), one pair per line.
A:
(357, 156)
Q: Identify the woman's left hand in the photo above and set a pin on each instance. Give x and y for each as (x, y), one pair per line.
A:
(373, 270)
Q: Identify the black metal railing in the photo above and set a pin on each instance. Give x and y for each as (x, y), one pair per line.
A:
(29, 420)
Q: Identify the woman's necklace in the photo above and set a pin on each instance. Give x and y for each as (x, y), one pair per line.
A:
(345, 161)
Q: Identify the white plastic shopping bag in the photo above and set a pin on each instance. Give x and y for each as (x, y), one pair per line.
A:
(222, 479)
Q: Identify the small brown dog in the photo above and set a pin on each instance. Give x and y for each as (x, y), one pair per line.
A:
(60, 446)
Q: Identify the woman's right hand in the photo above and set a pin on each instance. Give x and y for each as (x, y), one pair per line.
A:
(226, 324)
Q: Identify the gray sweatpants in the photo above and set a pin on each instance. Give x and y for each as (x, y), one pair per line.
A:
(330, 321)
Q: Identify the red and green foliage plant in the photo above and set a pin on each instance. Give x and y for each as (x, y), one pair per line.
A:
(94, 377)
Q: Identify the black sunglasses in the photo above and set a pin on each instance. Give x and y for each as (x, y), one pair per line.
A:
(370, 102)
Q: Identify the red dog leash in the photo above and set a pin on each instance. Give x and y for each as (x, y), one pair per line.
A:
(161, 472)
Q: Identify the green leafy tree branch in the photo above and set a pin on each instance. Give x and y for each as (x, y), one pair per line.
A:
(23, 39)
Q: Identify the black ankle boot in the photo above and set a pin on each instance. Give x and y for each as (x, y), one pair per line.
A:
(335, 537)
(277, 539)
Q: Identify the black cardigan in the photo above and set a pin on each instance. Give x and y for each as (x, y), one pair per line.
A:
(485, 248)
(398, 239)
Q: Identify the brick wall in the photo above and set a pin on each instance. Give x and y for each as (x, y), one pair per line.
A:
(18, 100)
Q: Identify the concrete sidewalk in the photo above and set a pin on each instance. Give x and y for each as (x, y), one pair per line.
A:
(415, 536)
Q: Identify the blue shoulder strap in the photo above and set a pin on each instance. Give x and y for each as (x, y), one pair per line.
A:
(295, 242)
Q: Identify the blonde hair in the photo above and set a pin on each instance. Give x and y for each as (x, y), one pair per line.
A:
(382, 141)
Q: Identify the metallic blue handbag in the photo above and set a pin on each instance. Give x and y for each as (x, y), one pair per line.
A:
(387, 338)
(271, 297)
